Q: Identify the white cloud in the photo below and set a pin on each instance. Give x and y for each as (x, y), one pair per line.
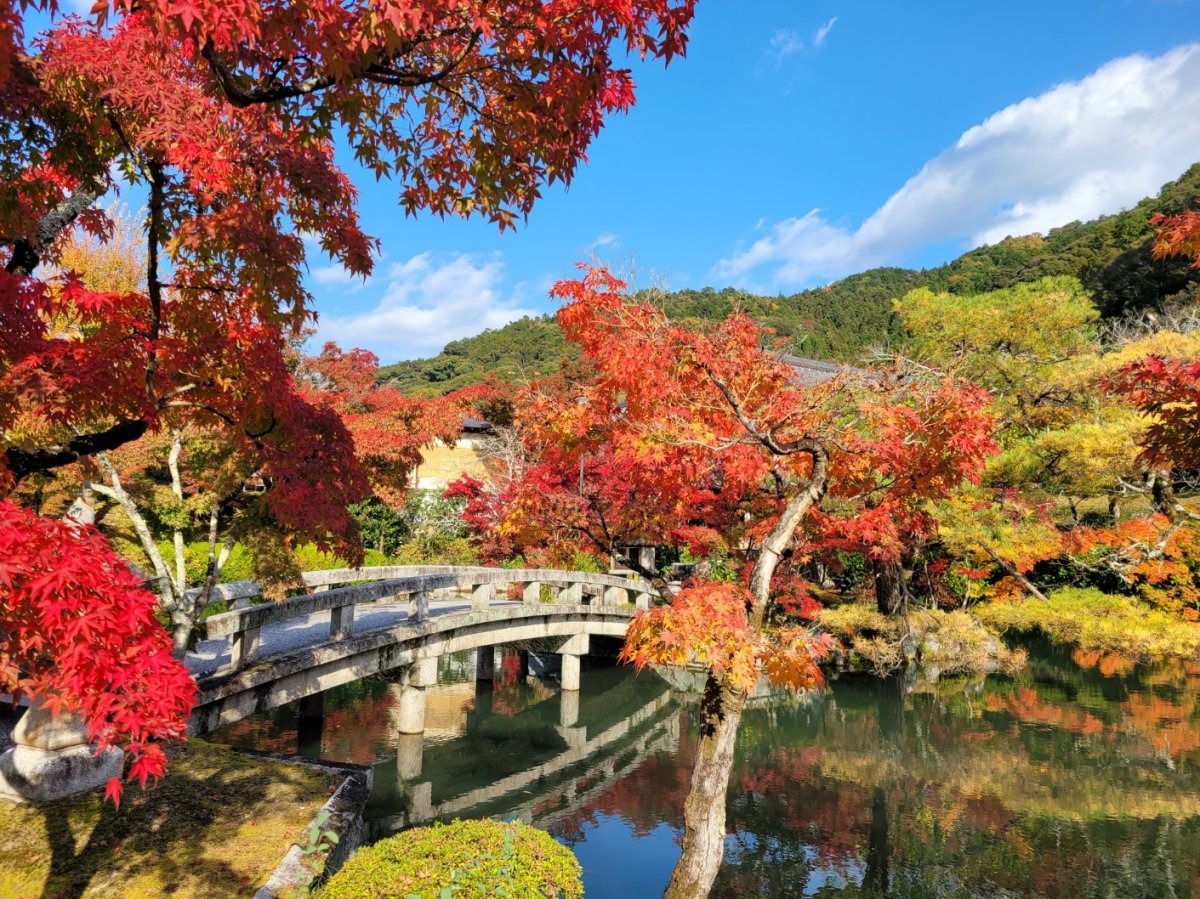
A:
(429, 300)
(337, 275)
(1081, 149)
(823, 32)
(605, 239)
(784, 42)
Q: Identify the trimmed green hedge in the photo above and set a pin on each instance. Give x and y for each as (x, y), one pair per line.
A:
(464, 859)
(309, 558)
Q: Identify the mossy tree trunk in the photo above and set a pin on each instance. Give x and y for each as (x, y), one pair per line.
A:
(891, 590)
(704, 809)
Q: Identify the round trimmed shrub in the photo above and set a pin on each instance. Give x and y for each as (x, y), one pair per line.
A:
(468, 858)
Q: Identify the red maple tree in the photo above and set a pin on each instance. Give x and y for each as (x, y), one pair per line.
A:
(225, 114)
(78, 632)
(1168, 392)
(388, 428)
(704, 437)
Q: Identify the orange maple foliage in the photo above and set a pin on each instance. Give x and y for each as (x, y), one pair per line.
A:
(704, 438)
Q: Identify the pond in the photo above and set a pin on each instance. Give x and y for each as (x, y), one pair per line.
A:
(1078, 778)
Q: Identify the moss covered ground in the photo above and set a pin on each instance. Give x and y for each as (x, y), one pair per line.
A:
(1092, 620)
(216, 825)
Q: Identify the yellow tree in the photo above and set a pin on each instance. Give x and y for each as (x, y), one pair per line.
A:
(1066, 437)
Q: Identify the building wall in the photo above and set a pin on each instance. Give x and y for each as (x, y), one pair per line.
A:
(444, 464)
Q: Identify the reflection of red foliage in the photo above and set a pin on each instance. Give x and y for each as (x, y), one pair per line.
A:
(1165, 724)
(650, 795)
(360, 731)
(509, 671)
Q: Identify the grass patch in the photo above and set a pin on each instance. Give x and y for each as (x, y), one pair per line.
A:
(951, 642)
(216, 825)
(1092, 620)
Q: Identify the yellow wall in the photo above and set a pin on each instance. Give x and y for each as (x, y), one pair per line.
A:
(444, 464)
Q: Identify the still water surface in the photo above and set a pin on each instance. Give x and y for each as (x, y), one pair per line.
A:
(1079, 778)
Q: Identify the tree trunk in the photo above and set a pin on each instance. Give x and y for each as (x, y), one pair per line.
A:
(721, 707)
(704, 809)
(891, 593)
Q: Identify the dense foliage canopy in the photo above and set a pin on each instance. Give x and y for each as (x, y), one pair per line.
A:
(179, 369)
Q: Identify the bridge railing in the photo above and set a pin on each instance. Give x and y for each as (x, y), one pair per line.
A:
(339, 592)
(239, 593)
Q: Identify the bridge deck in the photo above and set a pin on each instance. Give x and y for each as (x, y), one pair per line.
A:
(313, 630)
(261, 656)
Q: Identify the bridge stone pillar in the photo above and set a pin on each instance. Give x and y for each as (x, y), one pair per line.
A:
(570, 651)
(484, 698)
(410, 750)
(572, 594)
(522, 665)
(421, 803)
(568, 708)
(310, 725)
(416, 678)
(642, 601)
(532, 593)
(485, 663)
(569, 678)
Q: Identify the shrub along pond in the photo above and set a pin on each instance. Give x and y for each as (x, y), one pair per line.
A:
(1078, 776)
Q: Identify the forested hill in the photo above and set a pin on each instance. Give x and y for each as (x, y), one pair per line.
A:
(1110, 255)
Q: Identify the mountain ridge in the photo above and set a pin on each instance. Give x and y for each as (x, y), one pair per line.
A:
(1111, 255)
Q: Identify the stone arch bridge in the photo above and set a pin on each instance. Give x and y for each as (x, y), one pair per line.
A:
(359, 622)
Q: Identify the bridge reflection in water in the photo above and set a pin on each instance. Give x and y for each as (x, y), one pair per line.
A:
(1079, 777)
(512, 747)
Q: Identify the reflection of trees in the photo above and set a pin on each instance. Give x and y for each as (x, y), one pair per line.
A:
(1062, 783)
(358, 726)
(650, 796)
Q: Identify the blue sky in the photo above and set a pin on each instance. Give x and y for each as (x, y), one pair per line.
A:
(808, 139)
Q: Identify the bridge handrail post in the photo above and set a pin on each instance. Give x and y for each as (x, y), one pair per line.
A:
(341, 622)
(482, 596)
(418, 609)
(244, 647)
(533, 592)
(614, 596)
